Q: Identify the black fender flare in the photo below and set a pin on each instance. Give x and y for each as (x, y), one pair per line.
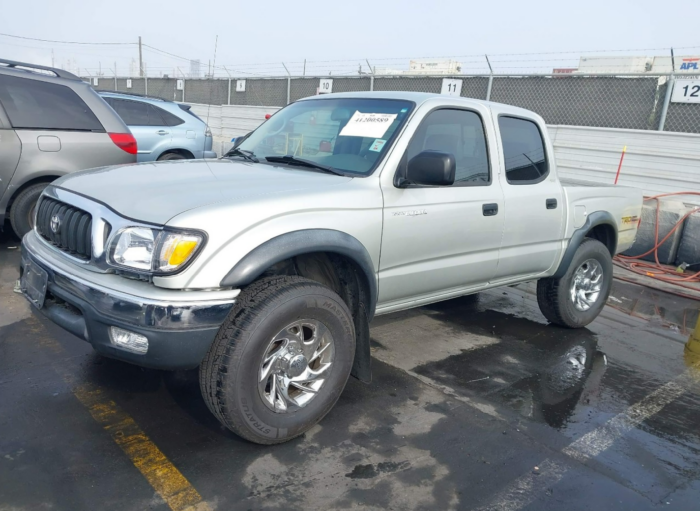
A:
(594, 219)
(295, 243)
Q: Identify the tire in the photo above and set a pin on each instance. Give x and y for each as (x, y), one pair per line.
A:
(231, 373)
(171, 156)
(22, 210)
(554, 295)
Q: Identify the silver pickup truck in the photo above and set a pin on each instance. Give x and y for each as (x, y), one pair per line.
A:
(265, 268)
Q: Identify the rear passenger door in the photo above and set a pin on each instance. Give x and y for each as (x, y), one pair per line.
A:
(152, 136)
(534, 216)
(442, 239)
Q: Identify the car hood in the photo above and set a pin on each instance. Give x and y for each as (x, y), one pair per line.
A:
(156, 192)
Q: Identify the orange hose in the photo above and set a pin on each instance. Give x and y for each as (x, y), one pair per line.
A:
(658, 271)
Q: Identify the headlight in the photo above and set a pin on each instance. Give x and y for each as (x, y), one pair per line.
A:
(152, 250)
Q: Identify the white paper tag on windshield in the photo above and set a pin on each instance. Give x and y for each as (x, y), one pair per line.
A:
(367, 125)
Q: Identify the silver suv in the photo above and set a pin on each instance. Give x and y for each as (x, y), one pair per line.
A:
(51, 123)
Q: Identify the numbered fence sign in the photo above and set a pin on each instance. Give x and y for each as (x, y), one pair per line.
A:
(451, 87)
(128, 83)
(325, 86)
(180, 85)
(95, 82)
(240, 85)
(686, 91)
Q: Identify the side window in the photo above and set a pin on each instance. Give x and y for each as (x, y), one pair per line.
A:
(137, 113)
(523, 151)
(133, 113)
(168, 118)
(33, 104)
(461, 133)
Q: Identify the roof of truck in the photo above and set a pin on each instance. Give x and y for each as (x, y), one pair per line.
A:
(418, 98)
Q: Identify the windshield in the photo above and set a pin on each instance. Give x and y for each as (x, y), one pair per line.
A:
(349, 134)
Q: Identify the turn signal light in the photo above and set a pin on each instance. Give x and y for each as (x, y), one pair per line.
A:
(124, 141)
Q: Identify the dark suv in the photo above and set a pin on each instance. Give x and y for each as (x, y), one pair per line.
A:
(51, 123)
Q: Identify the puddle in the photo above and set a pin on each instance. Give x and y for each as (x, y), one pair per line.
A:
(675, 313)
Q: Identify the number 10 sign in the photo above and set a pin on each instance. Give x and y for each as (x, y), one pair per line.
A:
(686, 91)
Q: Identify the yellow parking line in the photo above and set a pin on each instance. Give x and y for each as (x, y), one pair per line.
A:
(162, 475)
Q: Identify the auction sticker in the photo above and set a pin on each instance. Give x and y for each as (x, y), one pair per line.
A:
(367, 125)
(377, 145)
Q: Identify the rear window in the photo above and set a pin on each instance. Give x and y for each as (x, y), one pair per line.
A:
(32, 104)
(523, 151)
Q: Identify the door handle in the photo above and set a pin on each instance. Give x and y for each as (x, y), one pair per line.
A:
(490, 209)
(551, 203)
(162, 132)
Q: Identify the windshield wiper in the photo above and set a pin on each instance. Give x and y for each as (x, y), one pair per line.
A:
(246, 155)
(293, 160)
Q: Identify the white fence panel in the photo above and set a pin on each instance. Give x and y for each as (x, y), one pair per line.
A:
(657, 162)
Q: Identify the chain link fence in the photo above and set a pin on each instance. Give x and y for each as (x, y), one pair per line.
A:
(632, 102)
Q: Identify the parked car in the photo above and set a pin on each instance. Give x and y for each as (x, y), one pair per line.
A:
(265, 268)
(51, 123)
(163, 129)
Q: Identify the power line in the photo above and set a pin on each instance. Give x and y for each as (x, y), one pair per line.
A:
(60, 42)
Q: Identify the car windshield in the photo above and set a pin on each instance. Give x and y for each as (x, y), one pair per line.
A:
(349, 134)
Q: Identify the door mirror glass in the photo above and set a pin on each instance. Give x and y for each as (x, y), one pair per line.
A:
(431, 168)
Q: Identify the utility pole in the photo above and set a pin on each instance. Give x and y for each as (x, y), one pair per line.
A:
(140, 59)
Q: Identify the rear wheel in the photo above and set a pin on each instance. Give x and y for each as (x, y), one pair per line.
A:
(23, 208)
(577, 298)
(280, 361)
(171, 156)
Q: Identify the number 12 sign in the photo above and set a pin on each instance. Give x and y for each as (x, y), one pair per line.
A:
(451, 87)
(686, 91)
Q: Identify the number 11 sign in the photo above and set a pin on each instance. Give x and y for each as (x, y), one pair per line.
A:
(686, 91)
(451, 87)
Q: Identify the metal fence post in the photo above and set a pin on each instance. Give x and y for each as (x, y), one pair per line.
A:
(145, 85)
(228, 101)
(667, 100)
(371, 82)
(289, 89)
(488, 89)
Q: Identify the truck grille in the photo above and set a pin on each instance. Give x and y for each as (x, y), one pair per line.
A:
(67, 227)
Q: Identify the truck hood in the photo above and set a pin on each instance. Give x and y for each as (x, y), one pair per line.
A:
(156, 192)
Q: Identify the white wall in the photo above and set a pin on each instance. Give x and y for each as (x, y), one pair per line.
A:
(229, 121)
(657, 162)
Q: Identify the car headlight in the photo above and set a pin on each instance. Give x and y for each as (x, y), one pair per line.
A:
(154, 251)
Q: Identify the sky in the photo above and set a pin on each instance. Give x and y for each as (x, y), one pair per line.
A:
(255, 38)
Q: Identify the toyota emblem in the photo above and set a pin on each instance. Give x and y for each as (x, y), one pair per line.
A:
(55, 224)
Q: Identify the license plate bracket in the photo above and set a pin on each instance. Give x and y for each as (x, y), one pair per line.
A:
(34, 282)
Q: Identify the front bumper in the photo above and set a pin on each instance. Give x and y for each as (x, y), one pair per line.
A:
(209, 155)
(179, 330)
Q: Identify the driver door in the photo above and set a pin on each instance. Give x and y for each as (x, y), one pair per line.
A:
(439, 240)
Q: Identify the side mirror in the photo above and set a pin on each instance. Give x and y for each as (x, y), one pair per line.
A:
(432, 168)
(240, 140)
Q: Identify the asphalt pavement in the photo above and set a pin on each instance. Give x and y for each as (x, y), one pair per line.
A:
(475, 403)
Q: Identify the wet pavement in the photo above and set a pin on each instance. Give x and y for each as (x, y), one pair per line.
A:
(476, 403)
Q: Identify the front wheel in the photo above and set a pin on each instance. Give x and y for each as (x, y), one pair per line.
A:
(280, 360)
(23, 207)
(576, 299)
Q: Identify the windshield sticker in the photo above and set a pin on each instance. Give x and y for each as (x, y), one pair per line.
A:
(377, 145)
(367, 125)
